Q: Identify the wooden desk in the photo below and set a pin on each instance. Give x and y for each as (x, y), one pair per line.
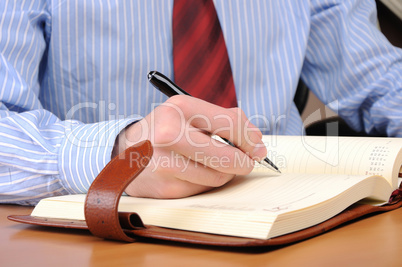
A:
(373, 241)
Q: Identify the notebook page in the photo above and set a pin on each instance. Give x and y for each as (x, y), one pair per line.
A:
(247, 206)
(253, 203)
(336, 155)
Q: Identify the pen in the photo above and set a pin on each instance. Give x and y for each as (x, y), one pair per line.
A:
(169, 88)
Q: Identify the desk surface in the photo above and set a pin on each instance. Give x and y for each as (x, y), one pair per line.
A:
(373, 241)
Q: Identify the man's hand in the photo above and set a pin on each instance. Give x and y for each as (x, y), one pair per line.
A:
(187, 160)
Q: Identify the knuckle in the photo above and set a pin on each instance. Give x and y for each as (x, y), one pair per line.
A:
(228, 124)
(234, 117)
(165, 134)
(240, 112)
(181, 101)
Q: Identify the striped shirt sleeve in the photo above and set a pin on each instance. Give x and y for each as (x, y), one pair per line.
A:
(353, 68)
(40, 155)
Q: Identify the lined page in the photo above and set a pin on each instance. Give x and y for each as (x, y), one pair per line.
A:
(247, 206)
(336, 155)
(276, 194)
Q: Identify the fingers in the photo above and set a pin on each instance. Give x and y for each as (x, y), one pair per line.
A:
(170, 175)
(201, 148)
(171, 164)
(197, 173)
(187, 160)
(231, 124)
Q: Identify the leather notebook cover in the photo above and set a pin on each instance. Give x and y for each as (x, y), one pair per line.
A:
(103, 219)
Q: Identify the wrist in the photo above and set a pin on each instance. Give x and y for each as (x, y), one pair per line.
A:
(119, 143)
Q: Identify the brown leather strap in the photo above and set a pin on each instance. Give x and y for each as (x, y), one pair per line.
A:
(103, 196)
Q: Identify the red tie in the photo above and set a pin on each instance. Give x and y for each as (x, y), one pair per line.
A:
(201, 62)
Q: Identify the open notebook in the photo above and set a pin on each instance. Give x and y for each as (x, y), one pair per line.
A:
(321, 177)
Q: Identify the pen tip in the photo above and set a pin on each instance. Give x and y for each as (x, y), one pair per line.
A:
(267, 163)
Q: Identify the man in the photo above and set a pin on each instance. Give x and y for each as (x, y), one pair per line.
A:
(73, 75)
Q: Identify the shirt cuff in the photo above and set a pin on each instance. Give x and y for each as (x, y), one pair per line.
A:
(86, 150)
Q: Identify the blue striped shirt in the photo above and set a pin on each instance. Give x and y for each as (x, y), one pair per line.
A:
(74, 73)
